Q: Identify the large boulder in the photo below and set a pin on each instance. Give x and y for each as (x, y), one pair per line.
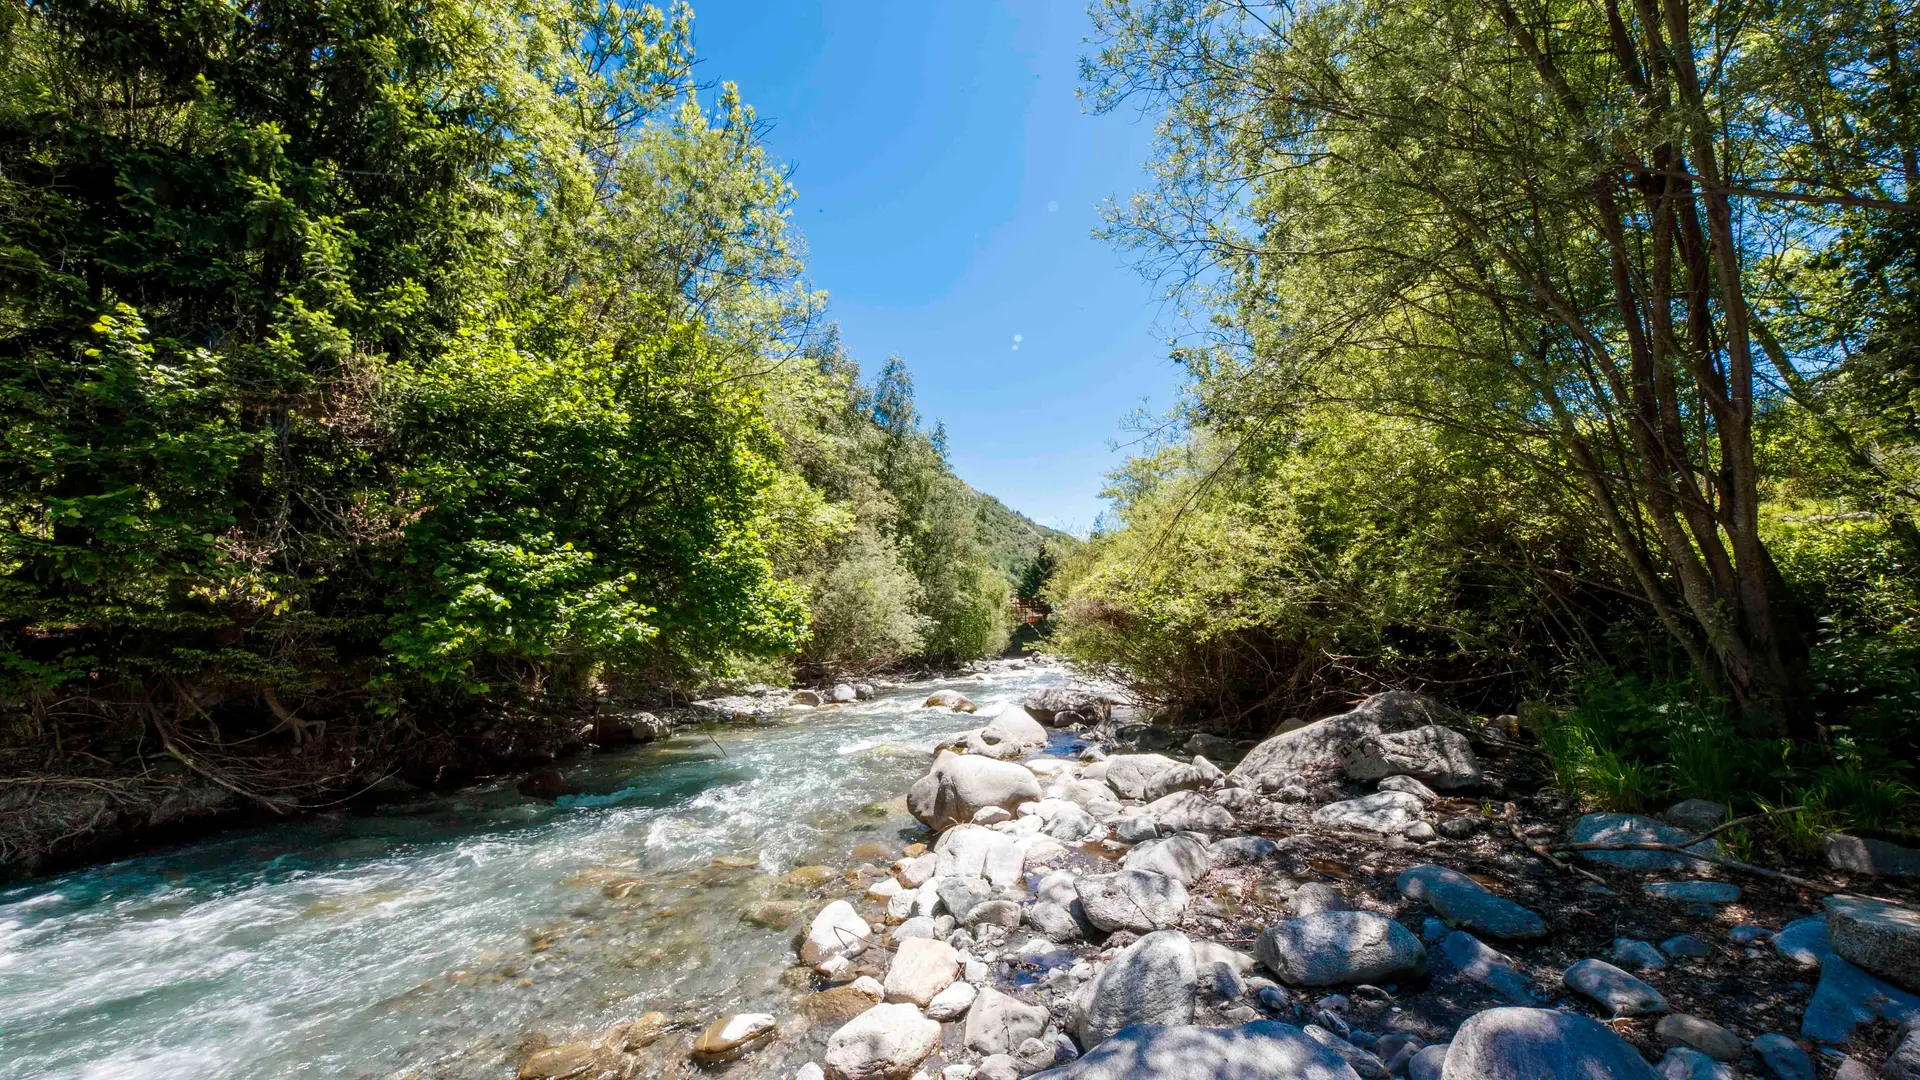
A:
(1387, 812)
(1614, 828)
(883, 1043)
(836, 931)
(948, 699)
(1019, 724)
(1876, 937)
(1336, 948)
(1136, 900)
(1262, 1050)
(998, 1023)
(1327, 741)
(1047, 701)
(1179, 778)
(958, 785)
(1541, 1044)
(1152, 981)
(1435, 755)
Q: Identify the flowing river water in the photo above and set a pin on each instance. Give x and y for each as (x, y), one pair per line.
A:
(432, 938)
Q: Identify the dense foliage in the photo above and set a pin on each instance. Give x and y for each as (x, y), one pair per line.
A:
(391, 366)
(1529, 339)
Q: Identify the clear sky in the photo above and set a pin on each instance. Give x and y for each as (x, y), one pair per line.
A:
(948, 184)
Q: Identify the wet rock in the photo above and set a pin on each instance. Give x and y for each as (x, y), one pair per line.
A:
(953, 1002)
(1152, 981)
(1634, 829)
(1864, 855)
(1541, 1044)
(556, 1062)
(1637, 955)
(1386, 812)
(1181, 856)
(1877, 938)
(958, 785)
(1261, 1050)
(1804, 941)
(1315, 897)
(837, 1005)
(1847, 997)
(1693, 892)
(998, 1023)
(1683, 1029)
(543, 784)
(1048, 700)
(1782, 1058)
(1274, 761)
(842, 693)
(1242, 851)
(1437, 756)
(1336, 948)
(773, 914)
(1619, 993)
(948, 699)
(1415, 882)
(1696, 815)
(1683, 1063)
(1131, 900)
(1680, 946)
(837, 931)
(1478, 962)
(1189, 811)
(1485, 914)
(921, 968)
(807, 697)
(731, 1036)
(883, 1043)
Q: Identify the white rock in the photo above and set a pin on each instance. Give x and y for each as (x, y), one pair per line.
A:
(883, 1043)
(921, 968)
(836, 931)
(953, 1002)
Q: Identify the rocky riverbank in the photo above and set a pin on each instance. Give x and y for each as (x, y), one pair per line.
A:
(1375, 894)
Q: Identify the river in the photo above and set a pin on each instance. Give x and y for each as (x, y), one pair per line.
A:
(432, 938)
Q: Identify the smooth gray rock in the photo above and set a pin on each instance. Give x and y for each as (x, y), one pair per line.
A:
(1315, 897)
(1612, 989)
(1056, 922)
(1696, 815)
(1261, 1050)
(1057, 888)
(1847, 997)
(1284, 755)
(1693, 892)
(1748, 934)
(1131, 900)
(1242, 851)
(1637, 955)
(1130, 774)
(1782, 1058)
(1414, 882)
(1429, 1063)
(1135, 828)
(1179, 778)
(1699, 1033)
(1336, 948)
(1485, 914)
(883, 1042)
(960, 895)
(976, 851)
(1189, 811)
(998, 1023)
(1361, 1061)
(1479, 962)
(1152, 981)
(958, 785)
(1875, 937)
(1463, 827)
(1003, 913)
(1386, 812)
(1903, 1054)
(1181, 856)
(1437, 756)
(1409, 785)
(1071, 823)
(1685, 945)
(1864, 855)
(1683, 1063)
(1804, 941)
(1635, 829)
(920, 926)
(1541, 1044)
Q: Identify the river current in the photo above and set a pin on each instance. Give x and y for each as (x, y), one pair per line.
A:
(431, 938)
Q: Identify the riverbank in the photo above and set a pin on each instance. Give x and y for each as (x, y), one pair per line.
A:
(1378, 894)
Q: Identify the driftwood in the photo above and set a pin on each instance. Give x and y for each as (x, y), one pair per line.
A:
(1511, 814)
(1714, 858)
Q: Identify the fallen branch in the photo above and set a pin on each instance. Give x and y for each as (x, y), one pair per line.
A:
(1512, 815)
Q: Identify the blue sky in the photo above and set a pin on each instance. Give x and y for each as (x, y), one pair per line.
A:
(948, 184)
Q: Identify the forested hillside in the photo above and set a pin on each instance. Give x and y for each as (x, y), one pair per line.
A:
(378, 380)
(1557, 352)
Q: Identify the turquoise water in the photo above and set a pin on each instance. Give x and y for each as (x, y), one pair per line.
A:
(435, 936)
